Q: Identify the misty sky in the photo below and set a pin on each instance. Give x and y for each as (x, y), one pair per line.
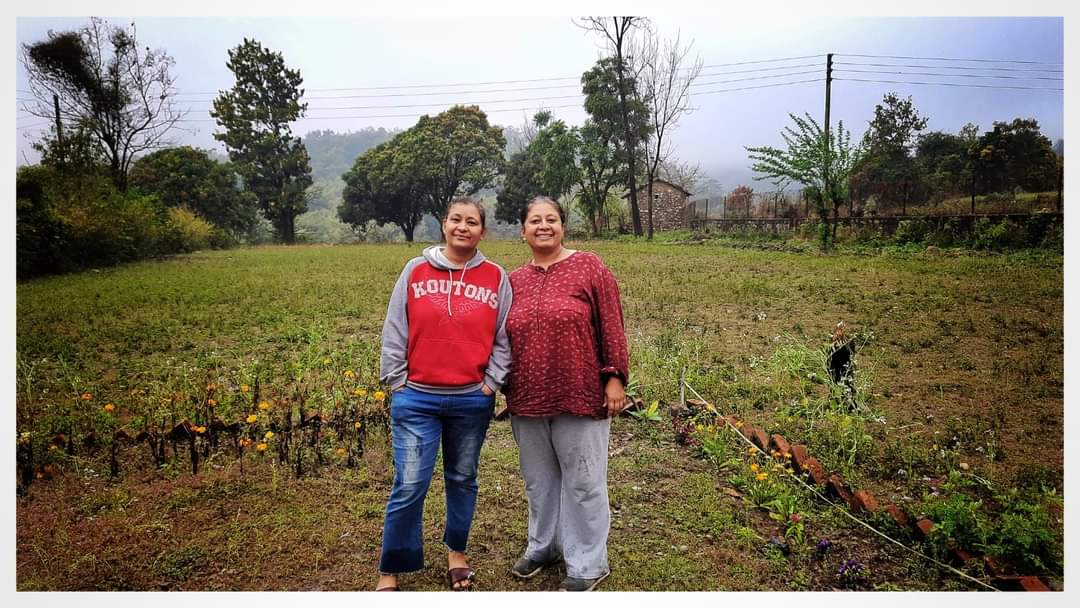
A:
(354, 55)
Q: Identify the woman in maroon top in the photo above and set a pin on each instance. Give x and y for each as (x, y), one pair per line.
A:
(567, 377)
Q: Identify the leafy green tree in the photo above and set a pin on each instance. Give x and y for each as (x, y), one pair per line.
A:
(627, 110)
(890, 144)
(422, 169)
(187, 177)
(109, 86)
(600, 170)
(1017, 154)
(821, 165)
(254, 116)
(546, 166)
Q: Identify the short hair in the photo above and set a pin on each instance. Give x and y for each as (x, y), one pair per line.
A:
(468, 200)
(542, 199)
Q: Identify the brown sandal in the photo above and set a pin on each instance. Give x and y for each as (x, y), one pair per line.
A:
(456, 576)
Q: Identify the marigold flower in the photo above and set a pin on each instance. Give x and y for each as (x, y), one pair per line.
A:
(200, 429)
(245, 442)
(762, 476)
(244, 388)
(269, 435)
(263, 405)
(109, 407)
(341, 451)
(738, 424)
(379, 395)
(754, 467)
(261, 447)
(348, 373)
(211, 402)
(751, 451)
(211, 386)
(787, 455)
(252, 418)
(361, 392)
(86, 396)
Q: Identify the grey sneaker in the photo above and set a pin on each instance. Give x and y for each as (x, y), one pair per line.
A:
(571, 583)
(526, 567)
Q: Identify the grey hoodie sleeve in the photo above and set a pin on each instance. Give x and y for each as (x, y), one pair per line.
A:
(498, 366)
(393, 366)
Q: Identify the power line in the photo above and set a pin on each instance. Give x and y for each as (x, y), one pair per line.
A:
(950, 84)
(954, 75)
(947, 67)
(510, 90)
(572, 105)
(761, 86)
(953, 59)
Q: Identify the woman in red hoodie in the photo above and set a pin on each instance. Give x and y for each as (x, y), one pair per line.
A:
(444, 354)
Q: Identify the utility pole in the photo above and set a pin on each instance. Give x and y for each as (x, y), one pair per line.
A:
(59, 130)
(828, 144)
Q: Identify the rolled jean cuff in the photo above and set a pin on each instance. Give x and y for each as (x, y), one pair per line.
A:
(401, 561)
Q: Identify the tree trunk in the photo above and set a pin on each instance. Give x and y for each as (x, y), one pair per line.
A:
(650, 194)
(408, 230)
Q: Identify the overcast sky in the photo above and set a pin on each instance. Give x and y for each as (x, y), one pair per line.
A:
(361, 56)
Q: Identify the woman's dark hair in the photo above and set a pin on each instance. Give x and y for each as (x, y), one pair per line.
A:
(537, 200)
(468, 200)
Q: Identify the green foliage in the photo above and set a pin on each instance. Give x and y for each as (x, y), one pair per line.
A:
(185, 232)
(547, 166)
(651, 413)
(420, 170)
(254, 116)
(189, 178)
(822, 166)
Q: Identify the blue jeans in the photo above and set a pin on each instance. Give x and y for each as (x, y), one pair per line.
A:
(418, 422)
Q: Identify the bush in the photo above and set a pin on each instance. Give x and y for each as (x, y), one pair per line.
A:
(911, 231)
(991, 235)
(185, 232)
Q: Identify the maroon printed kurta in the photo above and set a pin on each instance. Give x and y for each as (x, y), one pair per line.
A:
(566, 338)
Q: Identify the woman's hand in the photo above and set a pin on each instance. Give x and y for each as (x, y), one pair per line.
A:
(487, 390)
(614, 396)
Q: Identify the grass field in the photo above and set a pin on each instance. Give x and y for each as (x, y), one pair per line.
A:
(958, 402)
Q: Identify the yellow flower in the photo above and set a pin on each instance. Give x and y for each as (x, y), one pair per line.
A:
(86, 396)
(379, 396)
(269, 435)
(261, 447)
(751, 451)
(754, 467)
(710, 407)
(200, 429)
(211, 386)
(109, 407)
(738, 424)
(361, 392)
(263, 405)
(357, 425)
(211, 402)
(245, 442)
(348, 373)
(776, 453)
(762, 476)
(787, 455)
(244, 388)
(341, 451)
(252, 418)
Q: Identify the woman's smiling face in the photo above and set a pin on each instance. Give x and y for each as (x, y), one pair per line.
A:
(543, 229)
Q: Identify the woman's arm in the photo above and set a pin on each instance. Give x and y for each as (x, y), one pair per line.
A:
(498, 365)
(393, 365)
(611, 338)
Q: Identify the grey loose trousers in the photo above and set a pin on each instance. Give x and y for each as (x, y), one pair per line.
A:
(564, 462)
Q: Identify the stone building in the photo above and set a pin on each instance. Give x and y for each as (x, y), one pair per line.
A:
(669, 206)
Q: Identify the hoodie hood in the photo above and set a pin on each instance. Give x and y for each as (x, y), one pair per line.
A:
(434, 254)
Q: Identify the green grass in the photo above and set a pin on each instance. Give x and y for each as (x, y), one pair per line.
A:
(745, 324)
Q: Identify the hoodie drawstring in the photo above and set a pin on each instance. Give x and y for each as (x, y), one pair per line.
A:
(450, 295)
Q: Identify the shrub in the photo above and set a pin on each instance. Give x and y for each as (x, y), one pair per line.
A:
(185, 232)
(911, 231)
